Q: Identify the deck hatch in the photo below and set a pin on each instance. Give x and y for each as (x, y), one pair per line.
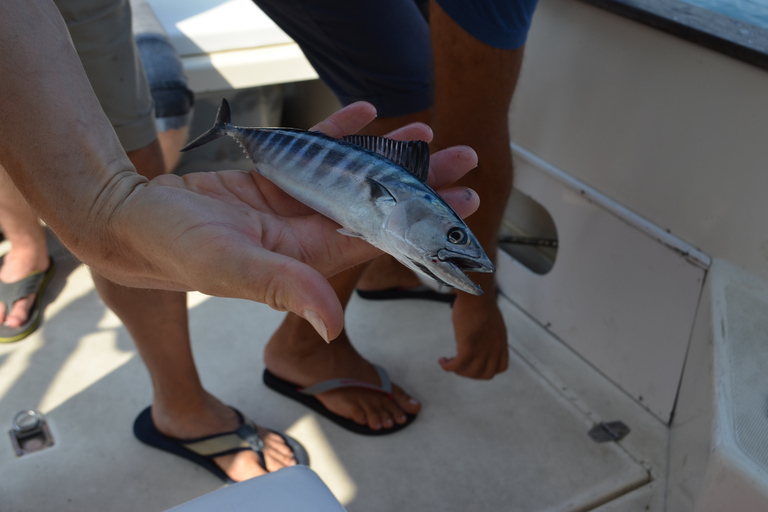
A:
(29, 433)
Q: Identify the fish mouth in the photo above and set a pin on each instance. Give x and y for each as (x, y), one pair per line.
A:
(467, 262)
(449, 267)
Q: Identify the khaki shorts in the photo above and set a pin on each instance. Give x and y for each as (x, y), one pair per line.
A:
(101, 33)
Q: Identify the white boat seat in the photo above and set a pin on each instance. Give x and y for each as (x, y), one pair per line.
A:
(293, 489)
(230, 44)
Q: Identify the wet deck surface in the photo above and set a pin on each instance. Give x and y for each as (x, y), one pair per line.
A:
(518, 442)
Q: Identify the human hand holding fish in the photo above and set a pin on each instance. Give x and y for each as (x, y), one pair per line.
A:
(241, 236)
(227, 233)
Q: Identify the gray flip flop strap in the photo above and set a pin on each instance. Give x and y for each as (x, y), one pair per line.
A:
(246, 437)
(328, 385)
(11, 292)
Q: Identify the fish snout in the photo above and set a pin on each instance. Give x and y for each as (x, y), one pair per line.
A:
(467, 261)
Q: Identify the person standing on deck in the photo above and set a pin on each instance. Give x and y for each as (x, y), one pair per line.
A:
(453, 64)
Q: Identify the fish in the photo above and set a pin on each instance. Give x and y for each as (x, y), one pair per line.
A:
(374, 187)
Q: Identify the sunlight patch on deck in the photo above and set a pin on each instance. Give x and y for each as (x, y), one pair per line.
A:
(323, 458)
(95, 357)
(16, 363)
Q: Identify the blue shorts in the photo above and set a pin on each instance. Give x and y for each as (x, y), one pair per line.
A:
(381, 52)
(499, 23)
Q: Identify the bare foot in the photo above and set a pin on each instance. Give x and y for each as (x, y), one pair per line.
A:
(214, 417)
(18, 264)
(481, 335)
(297, 354)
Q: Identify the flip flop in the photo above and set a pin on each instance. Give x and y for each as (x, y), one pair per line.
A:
(11, 292)
(202, 450)
(306, 397)
(422, 292)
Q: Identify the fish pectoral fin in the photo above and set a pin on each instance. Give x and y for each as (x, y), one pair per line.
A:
(379, 192)
(413, 155)
(349, 232)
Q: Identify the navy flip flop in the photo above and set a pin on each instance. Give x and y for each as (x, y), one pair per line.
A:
(306, 397)
(417, 292)
(202, 450)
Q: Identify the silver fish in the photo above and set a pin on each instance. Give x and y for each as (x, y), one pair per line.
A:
(373, 186)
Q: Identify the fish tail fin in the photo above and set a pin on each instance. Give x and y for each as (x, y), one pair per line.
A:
(223, 120)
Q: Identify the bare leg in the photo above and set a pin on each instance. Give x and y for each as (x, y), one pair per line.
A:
(28, 252)
(157, 322)
(171, 141)
(297, 354)
(474, 84)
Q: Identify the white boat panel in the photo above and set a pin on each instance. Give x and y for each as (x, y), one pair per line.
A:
(718, 451)
(294, 489)
(671, 130)
(617, 295)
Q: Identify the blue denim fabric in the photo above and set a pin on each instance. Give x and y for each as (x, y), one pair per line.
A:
(499, 23)
(167, 83)
(374, 51)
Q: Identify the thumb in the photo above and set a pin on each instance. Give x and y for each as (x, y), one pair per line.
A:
(289, 285)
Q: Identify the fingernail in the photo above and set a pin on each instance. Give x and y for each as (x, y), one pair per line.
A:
(413, 401)
(317, 322)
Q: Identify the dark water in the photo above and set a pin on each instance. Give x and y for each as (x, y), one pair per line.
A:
(751, 11)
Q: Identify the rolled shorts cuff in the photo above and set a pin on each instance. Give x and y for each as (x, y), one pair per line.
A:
(167, 123)
(499, 23)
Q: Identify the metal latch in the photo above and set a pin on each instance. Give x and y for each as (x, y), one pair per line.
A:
(604, 432)
(30, 433)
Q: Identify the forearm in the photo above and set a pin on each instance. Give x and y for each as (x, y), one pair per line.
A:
(55, 141)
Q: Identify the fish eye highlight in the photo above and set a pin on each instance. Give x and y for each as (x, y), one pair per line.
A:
(457, 236)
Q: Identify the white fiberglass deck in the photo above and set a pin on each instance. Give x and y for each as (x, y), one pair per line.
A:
(516, 443)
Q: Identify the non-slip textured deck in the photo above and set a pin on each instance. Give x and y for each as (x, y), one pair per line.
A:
(515, 443)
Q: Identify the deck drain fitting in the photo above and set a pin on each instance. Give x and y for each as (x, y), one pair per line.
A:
(606, 432)
(29, 433)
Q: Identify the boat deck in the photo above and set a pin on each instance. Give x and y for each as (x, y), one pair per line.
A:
(517, 443)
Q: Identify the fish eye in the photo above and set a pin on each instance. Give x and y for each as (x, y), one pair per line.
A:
(457, 236)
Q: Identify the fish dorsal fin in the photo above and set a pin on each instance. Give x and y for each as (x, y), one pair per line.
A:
(412, 155)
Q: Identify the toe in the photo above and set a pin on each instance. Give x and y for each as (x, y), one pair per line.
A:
(373, 417)
(405, 402)
(19, 313)
(277, 454)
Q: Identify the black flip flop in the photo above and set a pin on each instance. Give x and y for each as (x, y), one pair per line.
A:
(421, 292)
(202, 450)
(306, 397)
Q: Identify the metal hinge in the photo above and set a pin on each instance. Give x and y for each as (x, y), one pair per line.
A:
(605, 432)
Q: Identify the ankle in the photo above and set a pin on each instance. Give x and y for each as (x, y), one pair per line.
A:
(192, 418)
(20, 262)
